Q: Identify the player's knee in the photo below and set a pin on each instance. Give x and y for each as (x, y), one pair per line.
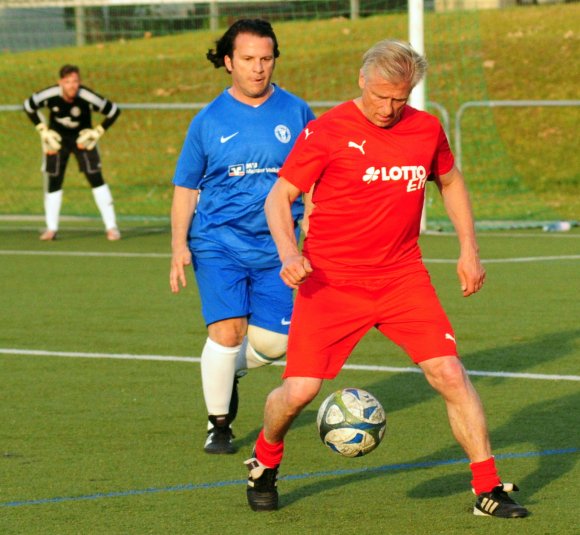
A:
(228, 333)
(227, 339)
(266, 346)
(300, 391)
(446, 374)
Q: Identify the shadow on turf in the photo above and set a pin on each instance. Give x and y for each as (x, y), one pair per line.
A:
(400, 391)
(412, 388)
(526, 426)
(522, 355)
(324, 485)
(545, 425)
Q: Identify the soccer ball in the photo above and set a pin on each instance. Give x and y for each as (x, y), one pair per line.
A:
(351, 422)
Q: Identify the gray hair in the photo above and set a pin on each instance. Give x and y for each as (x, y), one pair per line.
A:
(394, 61)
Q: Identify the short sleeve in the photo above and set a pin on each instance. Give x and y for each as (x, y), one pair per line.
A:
(191, 164)
(443, 160)
(308, 158)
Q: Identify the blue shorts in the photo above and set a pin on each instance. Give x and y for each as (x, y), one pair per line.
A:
(228, 290)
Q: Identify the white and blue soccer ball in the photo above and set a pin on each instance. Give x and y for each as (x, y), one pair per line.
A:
(351, 422)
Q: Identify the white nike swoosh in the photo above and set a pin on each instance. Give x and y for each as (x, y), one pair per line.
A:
(224, 139)
(284, 321)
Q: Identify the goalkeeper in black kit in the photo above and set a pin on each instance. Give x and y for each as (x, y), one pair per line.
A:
(69, 130)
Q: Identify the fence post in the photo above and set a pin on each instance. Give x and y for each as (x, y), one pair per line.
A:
(354, 9)
(214, 14)
(80, 26)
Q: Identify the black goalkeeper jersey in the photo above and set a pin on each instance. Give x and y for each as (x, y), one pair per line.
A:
(69, 118)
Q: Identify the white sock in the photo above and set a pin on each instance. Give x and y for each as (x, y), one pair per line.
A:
(218, 367)
(104, 201)
(52, 204)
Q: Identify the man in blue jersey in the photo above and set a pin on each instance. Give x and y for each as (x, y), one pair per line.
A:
(229, 161)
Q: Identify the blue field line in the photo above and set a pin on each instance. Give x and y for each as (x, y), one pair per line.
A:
(294, 477)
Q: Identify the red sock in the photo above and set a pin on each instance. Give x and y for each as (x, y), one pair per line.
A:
(268, 454)
(485, 476)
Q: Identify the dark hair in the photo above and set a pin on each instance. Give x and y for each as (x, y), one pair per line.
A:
(225, 45)
(67, 69)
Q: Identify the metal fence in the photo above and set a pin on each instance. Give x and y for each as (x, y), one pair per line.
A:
(441, 110)
(496, 104)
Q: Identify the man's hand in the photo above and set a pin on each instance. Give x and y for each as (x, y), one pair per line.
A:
(471, 273)
(295, 270)
(88, 137)
(50, 139)
(179, 259)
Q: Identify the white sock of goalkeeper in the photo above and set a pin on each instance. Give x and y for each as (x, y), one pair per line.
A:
(260, 348)
(104, 201)
(52, 204)
(218, 367)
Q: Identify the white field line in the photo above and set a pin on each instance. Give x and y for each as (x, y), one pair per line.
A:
(167, 255)
(505, 234)
(363, 367)
(515, 260)
(86, 253)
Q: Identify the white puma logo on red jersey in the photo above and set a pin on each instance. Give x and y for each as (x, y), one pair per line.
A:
(354, 145)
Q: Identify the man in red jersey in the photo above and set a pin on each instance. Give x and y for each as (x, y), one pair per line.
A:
(368, 161)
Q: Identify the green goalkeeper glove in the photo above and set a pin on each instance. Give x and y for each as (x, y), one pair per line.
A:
(50, 139)
(89, 136)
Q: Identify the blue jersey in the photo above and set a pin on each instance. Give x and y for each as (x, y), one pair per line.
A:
(232, 154)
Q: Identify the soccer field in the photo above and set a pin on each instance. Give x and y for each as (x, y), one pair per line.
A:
(102, 418)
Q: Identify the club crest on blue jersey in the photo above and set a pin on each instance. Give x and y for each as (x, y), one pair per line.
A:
(283, 133)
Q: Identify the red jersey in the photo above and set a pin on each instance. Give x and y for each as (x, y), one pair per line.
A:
(369, 188)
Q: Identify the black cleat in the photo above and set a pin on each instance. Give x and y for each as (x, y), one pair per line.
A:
(498, 503)
(261, 490)
(219, 437)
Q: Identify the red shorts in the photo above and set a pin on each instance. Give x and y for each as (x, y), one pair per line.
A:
(330, 318)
